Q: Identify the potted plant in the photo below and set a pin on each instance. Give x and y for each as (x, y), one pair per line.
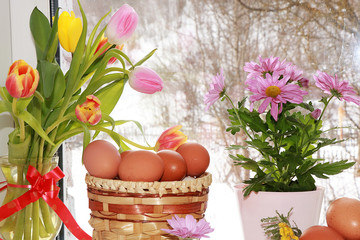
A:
(286, 132)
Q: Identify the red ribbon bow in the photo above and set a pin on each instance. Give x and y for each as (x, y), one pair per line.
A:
(43, 187)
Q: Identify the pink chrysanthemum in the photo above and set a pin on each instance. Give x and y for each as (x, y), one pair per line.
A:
(340, 89)
(188, 227)
(275, 92)
(294, 73)
(217, 90)
(267, 65)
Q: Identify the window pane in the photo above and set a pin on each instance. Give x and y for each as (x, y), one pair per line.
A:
(194, 40)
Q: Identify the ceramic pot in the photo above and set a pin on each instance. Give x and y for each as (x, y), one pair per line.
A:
(306, 209)
(37, 220)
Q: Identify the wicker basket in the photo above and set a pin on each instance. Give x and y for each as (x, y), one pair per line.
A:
(122, 210)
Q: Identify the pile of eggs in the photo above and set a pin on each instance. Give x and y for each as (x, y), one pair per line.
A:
(102, 159)
(343, 220)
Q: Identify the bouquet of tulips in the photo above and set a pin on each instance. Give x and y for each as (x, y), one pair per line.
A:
(49, 106)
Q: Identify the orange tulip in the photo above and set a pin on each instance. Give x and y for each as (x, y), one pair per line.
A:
(170, 139)
(22, 80)
(89, 111)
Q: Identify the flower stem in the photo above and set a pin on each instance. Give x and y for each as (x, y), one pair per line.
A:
(19, 229)
(28, 217)
(21, 122)
(46, 216)
(237, 115)
(36, 220)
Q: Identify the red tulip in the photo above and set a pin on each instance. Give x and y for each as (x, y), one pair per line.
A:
(22, 80)
(102, 43)
(89, 111)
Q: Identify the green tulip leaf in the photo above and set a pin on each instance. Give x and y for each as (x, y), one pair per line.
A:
(109, 119)
(5, 107)
(93, 86)
(34, 124)
(90, 50)
(53, 42)
(110, 95)
(5, 95)
(58, 89)
(40, 29)
(145, 58)
(48, 72)
(22, 103)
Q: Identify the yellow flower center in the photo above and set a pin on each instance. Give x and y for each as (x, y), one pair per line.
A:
(272, 91)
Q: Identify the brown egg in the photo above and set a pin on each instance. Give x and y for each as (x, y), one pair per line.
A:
(343, 215)
(320, 233)
(175, 165)
(123, 154)
(197, 158)
(141, 166)
(101, 159)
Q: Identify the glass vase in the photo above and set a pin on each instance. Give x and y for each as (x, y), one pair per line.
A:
(37, 221)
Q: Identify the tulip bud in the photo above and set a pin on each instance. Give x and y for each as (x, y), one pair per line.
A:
(89, 111)
(145, 80)
(69, 30)
(22, 80)
(170, 139)
(316, 113)
(102, 43)
(121, 25)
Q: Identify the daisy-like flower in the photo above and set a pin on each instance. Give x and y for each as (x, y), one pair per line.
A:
(188, 227)
(267, 65)
(332, 86)
(217, 90)
(294, 73)
(274, 92)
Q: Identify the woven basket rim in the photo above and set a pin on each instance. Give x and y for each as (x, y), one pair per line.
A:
(184, 186)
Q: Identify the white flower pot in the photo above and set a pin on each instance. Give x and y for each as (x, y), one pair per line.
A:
(306, 209)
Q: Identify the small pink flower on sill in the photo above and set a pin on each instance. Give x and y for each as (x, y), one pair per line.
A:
(274, 92)
(145, 80)
(170, 139)
(89, 111)
(121, 25)
(332, 86)
(102, 43)
(22, 80)
(217, 90)
(188, 227)
(316, 113)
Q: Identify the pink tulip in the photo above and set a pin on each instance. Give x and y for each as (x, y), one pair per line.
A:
(22, 80)
(170, 139)
(145, 80)
(121, 25)
(89, 111)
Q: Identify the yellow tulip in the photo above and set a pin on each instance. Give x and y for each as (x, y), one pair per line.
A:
(69, 29)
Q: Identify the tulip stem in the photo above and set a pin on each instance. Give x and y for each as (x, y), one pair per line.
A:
(21, 122)
(135, 144)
